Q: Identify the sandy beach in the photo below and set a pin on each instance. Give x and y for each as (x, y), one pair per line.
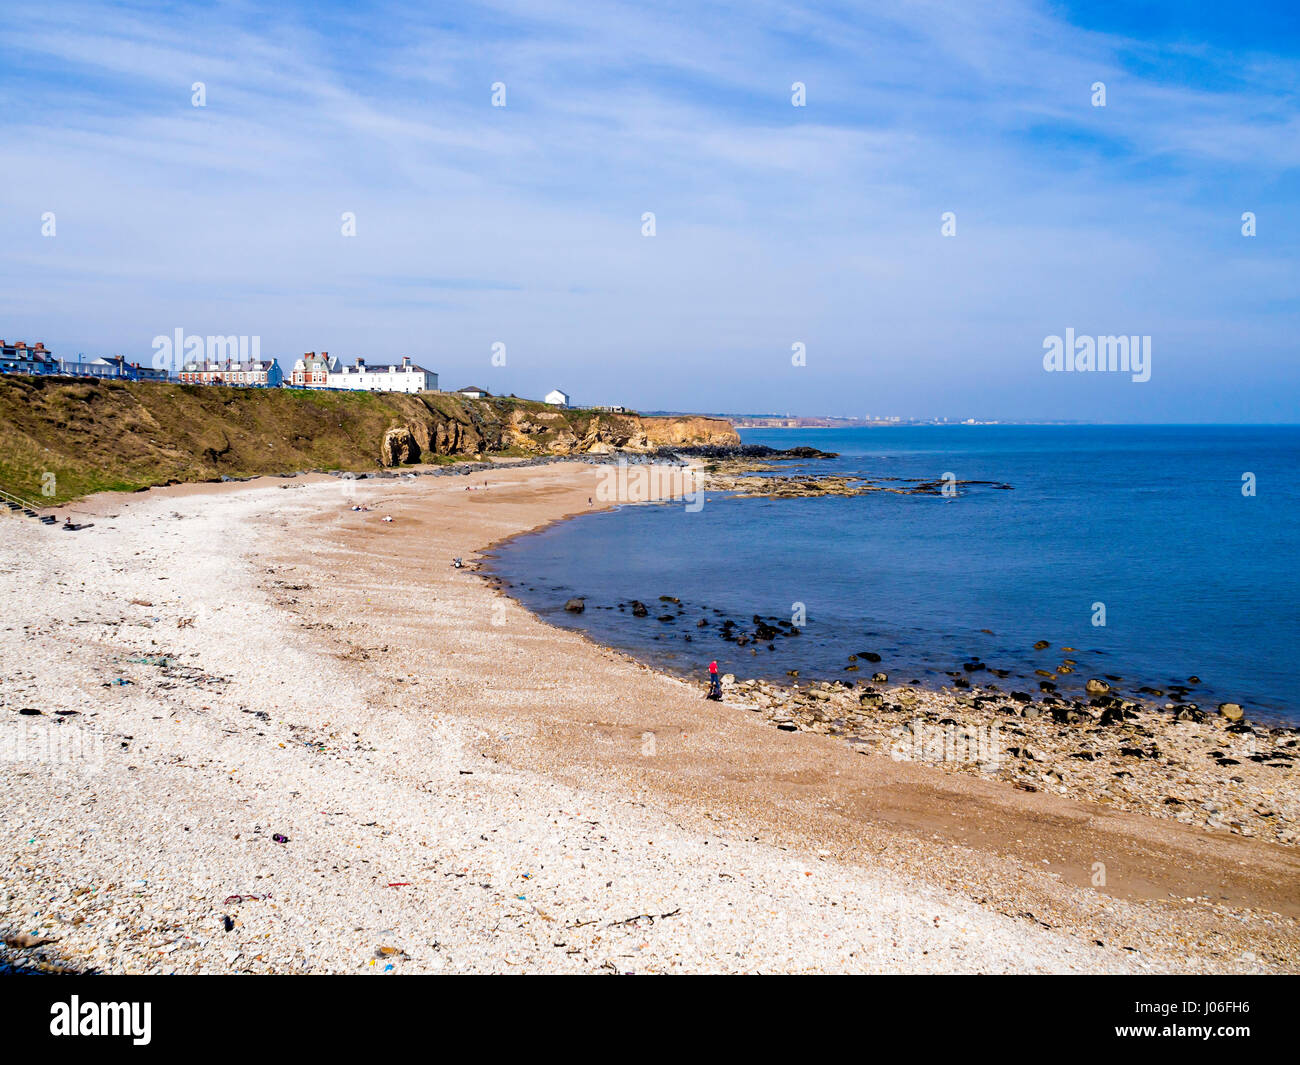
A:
(295, 739)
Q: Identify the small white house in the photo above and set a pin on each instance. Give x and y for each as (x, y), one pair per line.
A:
(558, 398)
(473, 392)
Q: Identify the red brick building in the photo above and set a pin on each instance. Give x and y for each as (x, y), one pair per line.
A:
(312, 370)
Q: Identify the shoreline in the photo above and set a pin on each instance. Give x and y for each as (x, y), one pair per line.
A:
(1068, 744)
(1146, 694)
(436, 757)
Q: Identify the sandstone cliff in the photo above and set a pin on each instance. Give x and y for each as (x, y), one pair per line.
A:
(96, 435)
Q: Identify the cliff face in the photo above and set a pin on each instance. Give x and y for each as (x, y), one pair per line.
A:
(119, 435)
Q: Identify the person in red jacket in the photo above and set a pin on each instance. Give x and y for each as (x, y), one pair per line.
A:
(715, 687)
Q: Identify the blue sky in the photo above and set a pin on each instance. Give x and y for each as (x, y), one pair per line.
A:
(775, 224)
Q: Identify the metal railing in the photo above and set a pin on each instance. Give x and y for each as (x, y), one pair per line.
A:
(24, 504)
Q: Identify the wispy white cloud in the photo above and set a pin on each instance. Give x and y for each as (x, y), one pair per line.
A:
(775, 223)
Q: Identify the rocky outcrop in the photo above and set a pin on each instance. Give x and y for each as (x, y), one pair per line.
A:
(1116, 752)
(399, 447)
(564, 432)
(680, 431)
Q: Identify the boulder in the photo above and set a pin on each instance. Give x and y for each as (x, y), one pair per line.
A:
(1232, 711)
(575, 605)
(399, 447)
(1096, 687)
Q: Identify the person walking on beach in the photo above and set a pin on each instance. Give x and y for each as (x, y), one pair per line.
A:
(715, 686)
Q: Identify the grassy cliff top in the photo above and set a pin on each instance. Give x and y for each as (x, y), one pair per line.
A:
(77, 436)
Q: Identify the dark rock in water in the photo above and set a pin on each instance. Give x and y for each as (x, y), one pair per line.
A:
(870, 656)
(575, 605)
(880, 678)
(639, 609)
(701, 623)
(669, 599)
(1001, 673)
(1042, 645)
(1096, 687)
(667, 617)
(751, 451)
(1022, 697)
(961, 682)
(1193, 680)
(973, 667)
(1046, 685)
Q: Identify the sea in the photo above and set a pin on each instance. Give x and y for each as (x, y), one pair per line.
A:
(1154, 556)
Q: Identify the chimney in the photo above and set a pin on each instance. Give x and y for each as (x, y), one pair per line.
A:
(406, 361)
(361, 364)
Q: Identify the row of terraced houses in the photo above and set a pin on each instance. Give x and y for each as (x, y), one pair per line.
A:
(310, 371)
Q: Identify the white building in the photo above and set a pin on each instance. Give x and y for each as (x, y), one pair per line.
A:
(558, 398)
(363, 378)
(474, 392)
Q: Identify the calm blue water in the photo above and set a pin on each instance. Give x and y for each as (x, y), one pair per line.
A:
(1196, 579)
